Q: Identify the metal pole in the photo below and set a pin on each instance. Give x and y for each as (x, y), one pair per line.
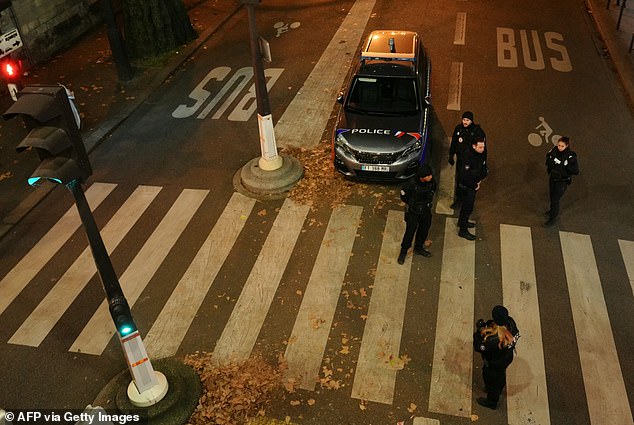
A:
(124, 70)
(269, 160)
(151, 385)
(104, 266)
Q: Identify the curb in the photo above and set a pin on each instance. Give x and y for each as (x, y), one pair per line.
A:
(610, 38)
(93, 139)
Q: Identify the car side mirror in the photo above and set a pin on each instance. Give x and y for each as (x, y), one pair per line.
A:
(340, 98)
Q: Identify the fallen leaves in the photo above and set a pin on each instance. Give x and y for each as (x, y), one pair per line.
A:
(233, 393)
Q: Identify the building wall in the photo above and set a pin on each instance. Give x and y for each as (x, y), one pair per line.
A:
(48, 26)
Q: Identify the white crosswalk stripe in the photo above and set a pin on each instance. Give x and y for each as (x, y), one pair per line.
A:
(312, 326)
(168, 331)
(45, 316)
(605, 389)
(20, 276)
(528, 393)
(375, 377)
(450, 391)
(451, 385)
(240, 333)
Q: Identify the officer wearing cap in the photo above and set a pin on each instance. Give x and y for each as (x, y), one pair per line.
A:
(418, 195)
(462, 138)
(495, 340)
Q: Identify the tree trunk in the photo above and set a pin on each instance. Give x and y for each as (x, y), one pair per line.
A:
(153, 27)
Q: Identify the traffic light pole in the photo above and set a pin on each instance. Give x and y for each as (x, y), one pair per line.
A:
(148, 386)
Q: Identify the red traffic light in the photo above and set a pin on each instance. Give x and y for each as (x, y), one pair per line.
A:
(11, 70)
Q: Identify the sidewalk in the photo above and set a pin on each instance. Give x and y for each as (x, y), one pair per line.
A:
(616, 41)
(87, 68)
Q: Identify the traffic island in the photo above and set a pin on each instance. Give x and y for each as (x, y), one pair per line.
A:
(174, 409)
(255, 182)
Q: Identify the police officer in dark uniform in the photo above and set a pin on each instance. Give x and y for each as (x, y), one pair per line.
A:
(418, 195)
(463, 137)
(495, 340)
(561, 164)
(474, 170)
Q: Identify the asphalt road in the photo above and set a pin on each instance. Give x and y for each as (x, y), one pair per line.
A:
(193, 134)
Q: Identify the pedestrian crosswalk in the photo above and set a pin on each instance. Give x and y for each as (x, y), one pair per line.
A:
(450, 388)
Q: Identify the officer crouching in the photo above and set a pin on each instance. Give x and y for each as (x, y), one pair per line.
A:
(418, 195)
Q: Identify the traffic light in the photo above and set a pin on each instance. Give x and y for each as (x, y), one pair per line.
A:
(12, 74)
(54, 135)
(121, 315)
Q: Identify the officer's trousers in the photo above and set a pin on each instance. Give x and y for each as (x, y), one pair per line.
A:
(557, 190)
(494, 381)
(468, 201)
(416, 224)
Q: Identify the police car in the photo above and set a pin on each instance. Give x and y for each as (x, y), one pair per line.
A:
(382, 127)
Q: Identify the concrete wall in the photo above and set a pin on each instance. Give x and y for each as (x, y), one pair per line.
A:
(48, 26)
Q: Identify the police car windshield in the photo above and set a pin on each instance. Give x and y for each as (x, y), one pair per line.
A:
(383, 95)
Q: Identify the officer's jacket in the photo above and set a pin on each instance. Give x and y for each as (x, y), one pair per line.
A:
(474, 169)
(562, 165)
(486, 341)
(418, 195)
(462, 139)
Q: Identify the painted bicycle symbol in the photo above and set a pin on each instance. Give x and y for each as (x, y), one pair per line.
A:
(543, 135)
(282, 27)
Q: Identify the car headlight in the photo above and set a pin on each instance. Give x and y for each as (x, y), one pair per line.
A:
(416, 146)
(342, 143)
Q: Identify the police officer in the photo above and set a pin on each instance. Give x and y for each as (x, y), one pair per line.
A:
(561, 164)
(463, 137)
(418, 195)
(495, 340)
(474, 170)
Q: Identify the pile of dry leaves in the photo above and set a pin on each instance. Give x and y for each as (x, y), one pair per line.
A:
(233, 393)
(320, 178)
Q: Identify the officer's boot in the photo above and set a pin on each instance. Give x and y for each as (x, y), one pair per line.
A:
(401, 256)
(464, 233)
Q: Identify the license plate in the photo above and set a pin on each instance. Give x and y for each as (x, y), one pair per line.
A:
(382, 168)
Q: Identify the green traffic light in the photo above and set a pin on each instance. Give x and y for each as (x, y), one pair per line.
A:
(126, 330)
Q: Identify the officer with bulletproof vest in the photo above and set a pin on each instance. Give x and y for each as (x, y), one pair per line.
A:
(495, 340)
(462, 138)
(418, 195)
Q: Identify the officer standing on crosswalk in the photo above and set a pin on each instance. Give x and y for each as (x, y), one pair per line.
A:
(495, 340)
(462, 138)
(474, 170)
(418, 195)
(561, 165)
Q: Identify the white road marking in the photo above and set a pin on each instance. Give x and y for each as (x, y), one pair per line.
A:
(605, 390)
(461, 29)
(307, 343)
(241, 331)
(97, 333)
(169, 329)
(451, 374)
(20, 275)
(305, 118)
(455, 87)
(61, 296)
(527, 400)
(379, 357)
(446, 186)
